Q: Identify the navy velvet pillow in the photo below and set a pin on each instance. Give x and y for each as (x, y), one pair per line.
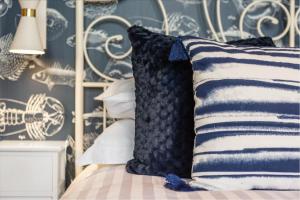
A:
(164, 118)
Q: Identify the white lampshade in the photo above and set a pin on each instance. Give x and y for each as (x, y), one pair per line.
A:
(29, 36)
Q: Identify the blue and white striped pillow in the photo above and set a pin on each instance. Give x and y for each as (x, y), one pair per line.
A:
(246, 116)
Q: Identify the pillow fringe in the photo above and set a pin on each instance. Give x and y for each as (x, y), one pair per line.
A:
(174, 182)
(178, 52)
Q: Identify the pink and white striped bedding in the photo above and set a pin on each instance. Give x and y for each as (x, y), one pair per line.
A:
(115, 183)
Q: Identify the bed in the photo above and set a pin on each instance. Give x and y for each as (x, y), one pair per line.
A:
(113, 182)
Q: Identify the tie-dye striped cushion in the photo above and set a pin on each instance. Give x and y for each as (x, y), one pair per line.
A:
(246, 116)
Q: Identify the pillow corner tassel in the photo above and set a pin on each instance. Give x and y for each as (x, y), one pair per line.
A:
(178, 52)
(175, 183)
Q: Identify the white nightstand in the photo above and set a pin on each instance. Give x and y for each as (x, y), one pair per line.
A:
(32, 170)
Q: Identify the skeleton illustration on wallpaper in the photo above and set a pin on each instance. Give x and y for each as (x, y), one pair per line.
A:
(56, 24)
(4, 6)
(55, 75)
(11, 65)
(40, 117)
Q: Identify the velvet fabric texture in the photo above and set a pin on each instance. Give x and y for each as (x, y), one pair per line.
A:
(164, 107)
(164, 126)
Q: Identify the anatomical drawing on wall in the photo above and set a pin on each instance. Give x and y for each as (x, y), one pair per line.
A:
(55, 74)
(37, 119)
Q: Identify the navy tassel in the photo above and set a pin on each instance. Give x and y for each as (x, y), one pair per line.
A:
(178, 52)
(174, 182)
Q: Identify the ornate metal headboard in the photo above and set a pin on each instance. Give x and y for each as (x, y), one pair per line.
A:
(291, 30)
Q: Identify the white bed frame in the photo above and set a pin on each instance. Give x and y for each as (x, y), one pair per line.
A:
(81, 51)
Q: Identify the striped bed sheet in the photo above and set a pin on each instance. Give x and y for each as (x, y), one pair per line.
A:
(113, 182)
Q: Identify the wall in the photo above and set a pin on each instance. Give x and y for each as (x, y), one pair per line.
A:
(44, 87)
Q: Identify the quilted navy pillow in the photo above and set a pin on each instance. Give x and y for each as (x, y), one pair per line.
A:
(164, 124)
(246, 116)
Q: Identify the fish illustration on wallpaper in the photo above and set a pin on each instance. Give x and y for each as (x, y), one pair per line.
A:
(70, 3)
(252, 17)
(55, 75)
(119, 69)
(94, 10)
(57, 24)
(186, 3)
(11, 65)
(232, 33)
(113, 68)
(39, 117)
(4, 6)
(179, 24)
(96, 41)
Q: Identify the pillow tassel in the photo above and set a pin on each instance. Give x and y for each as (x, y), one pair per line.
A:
(178, 52)
(174, 182)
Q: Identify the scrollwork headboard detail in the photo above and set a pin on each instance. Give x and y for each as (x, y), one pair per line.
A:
(215, 25)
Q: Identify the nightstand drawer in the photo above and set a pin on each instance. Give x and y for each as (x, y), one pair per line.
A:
(32, 170)
(26, 174)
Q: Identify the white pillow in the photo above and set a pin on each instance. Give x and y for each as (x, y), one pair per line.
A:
(114, 146)
(119, 99)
